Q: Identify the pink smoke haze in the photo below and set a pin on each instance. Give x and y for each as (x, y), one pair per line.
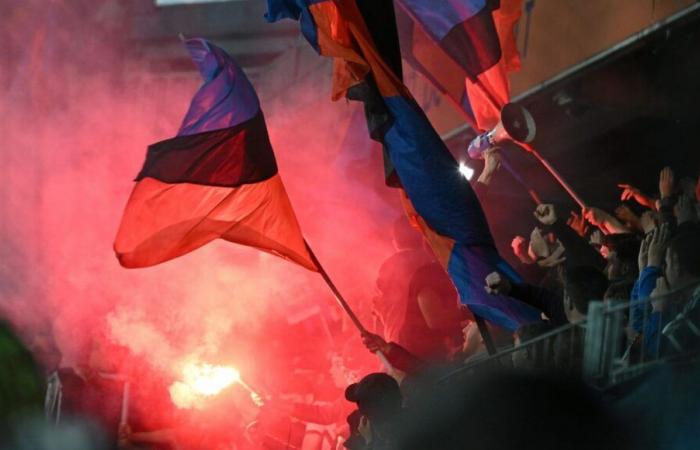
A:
(79, 110)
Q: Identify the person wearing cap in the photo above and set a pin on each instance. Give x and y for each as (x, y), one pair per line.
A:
(379, 403)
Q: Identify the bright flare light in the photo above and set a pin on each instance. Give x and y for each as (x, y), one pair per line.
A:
(200, 381)
(466, 171)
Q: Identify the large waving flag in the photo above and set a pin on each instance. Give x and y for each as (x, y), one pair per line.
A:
(216, 179)
(465, 48)
(438, 199)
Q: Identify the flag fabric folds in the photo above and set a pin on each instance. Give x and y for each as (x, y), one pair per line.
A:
(438, 199)
(465, 49)
(216, 179)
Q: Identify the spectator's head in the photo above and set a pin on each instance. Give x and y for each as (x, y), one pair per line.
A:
(619, 290)
(582, 284)
(683, 258)
(377, 396)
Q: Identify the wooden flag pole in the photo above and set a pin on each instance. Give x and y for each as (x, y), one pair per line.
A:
(343, 303)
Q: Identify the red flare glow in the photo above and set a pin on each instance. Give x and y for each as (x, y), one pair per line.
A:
(199, 381)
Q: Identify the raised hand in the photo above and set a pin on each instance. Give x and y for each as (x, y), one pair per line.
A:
(492, 161)
(257, 399)
(666, 182)
(657, 246)
(538, 245)
(631, 192)
(545, 213)
(578, 223)
(520, 249)
(607, 223)
(555, 258)
(497, 284)
(648, 221)
(597, 238)
(644, 252)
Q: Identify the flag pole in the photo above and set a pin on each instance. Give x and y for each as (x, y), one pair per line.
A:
(344, 304)
(338, 296)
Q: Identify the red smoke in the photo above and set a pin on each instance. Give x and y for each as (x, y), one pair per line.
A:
(79, 110)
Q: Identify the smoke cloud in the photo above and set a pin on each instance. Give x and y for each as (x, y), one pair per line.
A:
(79, 109)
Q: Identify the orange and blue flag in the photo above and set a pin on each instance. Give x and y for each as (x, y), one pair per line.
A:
(465, 49)
(217, 179)
(438, 199)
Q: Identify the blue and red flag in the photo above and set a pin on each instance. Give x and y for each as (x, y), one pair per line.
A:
(438, 199)
(465, 49)
(216, 179)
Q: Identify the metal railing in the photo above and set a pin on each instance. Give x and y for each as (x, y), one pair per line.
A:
(560, 349)
(629, 338)
(618, 341)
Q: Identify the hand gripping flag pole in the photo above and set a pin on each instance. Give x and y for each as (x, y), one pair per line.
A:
(343, 303)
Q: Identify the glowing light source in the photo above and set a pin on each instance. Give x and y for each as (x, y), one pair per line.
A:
(200, 381)
(466, 171)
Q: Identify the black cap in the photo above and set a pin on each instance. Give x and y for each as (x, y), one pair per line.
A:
(377, 395)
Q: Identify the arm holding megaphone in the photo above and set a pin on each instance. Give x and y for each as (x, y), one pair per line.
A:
(516, 125)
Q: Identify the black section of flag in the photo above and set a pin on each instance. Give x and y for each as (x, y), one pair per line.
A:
(228, 157)
(474, 43)
(380, 18)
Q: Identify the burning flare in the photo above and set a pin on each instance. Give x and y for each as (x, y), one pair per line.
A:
(200, 381)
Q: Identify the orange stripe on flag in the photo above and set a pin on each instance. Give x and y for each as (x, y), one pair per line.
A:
(163, 221)
(495, 80)
(442, 246)
(342, 34)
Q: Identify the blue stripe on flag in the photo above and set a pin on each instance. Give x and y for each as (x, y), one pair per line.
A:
(430, 175)
(296, 10)
(468, 267)
(439, 17)
(226, 98)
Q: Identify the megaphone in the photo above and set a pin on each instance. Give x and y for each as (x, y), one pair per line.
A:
(516, 125)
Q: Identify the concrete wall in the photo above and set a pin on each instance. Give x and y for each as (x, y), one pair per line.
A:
(565, 32)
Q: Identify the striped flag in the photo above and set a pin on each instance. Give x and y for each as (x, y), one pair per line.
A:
(465, 48)
(437, 198)
(217, 179)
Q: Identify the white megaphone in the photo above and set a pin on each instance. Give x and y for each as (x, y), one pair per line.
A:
(516, 125)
